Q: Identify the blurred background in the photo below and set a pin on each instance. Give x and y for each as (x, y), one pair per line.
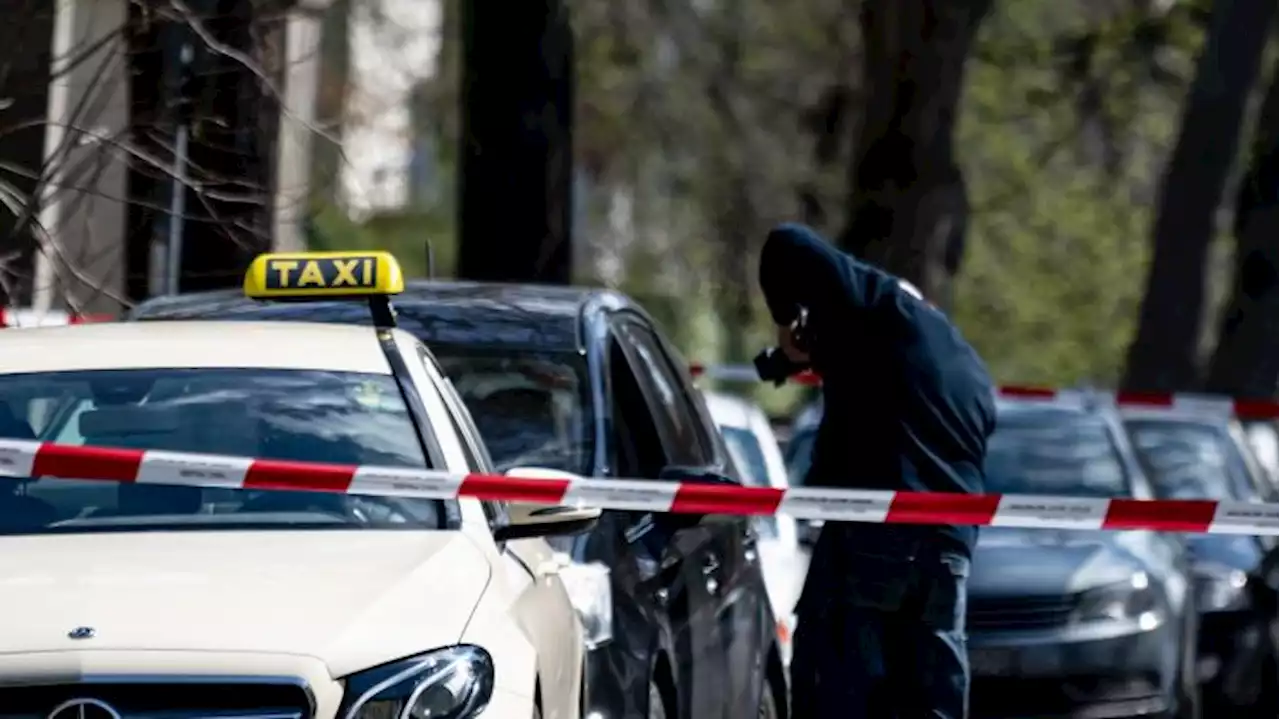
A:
(1087, 186)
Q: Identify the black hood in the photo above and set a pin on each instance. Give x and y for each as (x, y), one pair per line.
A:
(1047, 562)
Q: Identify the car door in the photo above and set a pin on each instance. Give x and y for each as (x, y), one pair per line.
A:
(744, 602)
(676, 562)
(726, 565)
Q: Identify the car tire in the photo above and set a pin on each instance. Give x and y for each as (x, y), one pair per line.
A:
(657, 702)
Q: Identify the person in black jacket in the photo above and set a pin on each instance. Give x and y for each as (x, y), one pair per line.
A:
(907, 405)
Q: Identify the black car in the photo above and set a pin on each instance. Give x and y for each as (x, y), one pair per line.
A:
(1070, 623)
(1196, 456)
(580, 380)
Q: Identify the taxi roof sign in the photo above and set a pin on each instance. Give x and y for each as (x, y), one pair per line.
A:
(327, 275)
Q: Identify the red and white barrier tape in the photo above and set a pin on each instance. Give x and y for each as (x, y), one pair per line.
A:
(20, 458)
(11, 317)
(1260, 408)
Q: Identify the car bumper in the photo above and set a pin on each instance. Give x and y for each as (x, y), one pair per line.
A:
(1104, 671)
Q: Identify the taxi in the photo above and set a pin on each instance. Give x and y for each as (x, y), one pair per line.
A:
(132, 600)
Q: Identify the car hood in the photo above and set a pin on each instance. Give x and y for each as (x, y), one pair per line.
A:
(352, 598)
(1047, 562)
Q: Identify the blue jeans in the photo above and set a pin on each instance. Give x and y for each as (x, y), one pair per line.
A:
(886, 640)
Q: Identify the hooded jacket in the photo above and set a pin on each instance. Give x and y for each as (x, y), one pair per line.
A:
(908, 404)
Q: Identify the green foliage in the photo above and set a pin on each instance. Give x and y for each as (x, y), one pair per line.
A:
(703, 116)
(1063, 138)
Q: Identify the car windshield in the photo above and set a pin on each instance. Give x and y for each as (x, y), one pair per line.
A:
(1054, 453)
(1188, 460)
(293, 415)
(532, 408)
(799, 456)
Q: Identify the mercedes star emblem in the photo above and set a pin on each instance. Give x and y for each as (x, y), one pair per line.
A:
(84, 709)
(81, 633)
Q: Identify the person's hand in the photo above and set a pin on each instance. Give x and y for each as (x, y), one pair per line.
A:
(787, 343)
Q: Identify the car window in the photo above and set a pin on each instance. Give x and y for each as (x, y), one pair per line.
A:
(747, 454)
(740, 456)
(678, 421)
(800, 456)
(339, 417)
(473, 447)
(530, 408)
(636, 449)
(1257, 476)
(1189, 460)
(1054, 453)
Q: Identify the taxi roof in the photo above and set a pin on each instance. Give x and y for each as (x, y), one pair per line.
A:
(139, 345)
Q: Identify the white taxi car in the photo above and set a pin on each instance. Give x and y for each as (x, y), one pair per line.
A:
(134, 600)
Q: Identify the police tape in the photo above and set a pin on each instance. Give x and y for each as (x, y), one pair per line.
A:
(1244, 408)
(14, 317)
(20, 459)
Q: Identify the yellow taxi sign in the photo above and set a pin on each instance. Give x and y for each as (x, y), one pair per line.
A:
(323, 274)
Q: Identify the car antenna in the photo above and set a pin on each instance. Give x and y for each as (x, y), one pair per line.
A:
(431, 261)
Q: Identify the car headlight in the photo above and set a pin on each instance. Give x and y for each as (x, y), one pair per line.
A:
(1219, 587)
(591, 595)
(452, 683)
(1134, 599)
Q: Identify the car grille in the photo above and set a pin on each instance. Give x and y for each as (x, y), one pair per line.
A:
(157, 700)
(1019, 613)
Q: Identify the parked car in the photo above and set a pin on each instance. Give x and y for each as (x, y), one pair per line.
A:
(676, 611)
(149, 599)
(1070, 623)
(1194, 456)
(754, 449)
(1080, 622)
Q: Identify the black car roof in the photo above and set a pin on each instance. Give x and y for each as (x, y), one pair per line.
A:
(460, 313)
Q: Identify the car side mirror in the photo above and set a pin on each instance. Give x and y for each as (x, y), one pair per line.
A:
(690, 475)
(525, 520)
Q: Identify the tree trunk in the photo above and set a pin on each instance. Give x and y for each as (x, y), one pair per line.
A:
(735, 293)
(1162, 357)
(1245, 362)
(516, 159)
(908, 206)
(233, 121)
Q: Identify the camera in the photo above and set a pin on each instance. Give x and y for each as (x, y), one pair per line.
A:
(773, 365)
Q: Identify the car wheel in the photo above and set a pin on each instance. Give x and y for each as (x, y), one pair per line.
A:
(657, 704)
